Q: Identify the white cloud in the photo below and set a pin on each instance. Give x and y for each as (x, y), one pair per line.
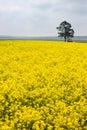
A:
(40, 17)
(10, 9)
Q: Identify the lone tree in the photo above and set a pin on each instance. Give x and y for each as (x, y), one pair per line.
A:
(65, 30)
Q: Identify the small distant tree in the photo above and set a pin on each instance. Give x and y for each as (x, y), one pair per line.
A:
(65, 30)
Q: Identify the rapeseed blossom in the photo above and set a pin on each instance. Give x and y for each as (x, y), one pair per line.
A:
(43, 85)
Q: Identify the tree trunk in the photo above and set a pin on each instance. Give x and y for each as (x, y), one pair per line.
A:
(65, 38)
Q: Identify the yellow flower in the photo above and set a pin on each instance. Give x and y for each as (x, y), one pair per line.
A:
(43, 85)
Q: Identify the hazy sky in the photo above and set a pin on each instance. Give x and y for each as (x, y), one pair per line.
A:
(40, 17)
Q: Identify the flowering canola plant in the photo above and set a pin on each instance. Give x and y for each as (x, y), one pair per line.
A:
(43, 85)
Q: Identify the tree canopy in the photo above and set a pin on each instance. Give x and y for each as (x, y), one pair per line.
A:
(65, 30)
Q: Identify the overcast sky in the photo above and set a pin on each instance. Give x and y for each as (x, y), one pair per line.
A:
(40, 17)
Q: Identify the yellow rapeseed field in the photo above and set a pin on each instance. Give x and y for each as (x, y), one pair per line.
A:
(43, 85)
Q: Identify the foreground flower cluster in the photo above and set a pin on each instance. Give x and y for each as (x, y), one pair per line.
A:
(43, 85)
